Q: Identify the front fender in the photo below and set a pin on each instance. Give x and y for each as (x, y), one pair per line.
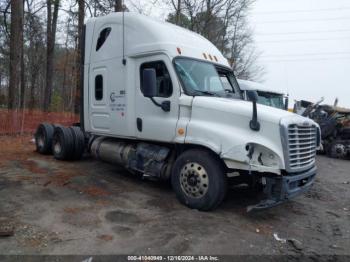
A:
(229, 136)
(261, 159)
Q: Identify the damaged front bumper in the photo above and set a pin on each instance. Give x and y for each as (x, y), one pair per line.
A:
(279, 189)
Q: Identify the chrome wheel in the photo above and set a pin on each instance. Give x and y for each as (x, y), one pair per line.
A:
(194, 180)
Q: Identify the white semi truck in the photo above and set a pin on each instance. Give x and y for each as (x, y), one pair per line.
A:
(163, 102)
(266, 96)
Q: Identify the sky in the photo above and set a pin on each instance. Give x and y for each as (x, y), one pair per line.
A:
(304, 46)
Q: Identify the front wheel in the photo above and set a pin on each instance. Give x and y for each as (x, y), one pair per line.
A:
(199, 179)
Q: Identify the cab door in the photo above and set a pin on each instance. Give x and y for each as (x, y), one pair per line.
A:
(98, 100)
(152, 122)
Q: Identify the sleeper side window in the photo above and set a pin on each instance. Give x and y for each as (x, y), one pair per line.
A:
(98, 87)
(102, 37)
(164, 84)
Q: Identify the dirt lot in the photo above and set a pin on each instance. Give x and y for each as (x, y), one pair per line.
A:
(89, 207)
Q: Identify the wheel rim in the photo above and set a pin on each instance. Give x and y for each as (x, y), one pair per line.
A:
(57, 148)
(339, 151)
(194, 180)
(40, 140)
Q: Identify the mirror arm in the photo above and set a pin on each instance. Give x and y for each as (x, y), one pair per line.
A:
(254, 124)
(155, 102)
(165, 105)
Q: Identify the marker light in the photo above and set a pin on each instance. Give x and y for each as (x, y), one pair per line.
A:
(181, 131)
(178, 50)
(210, 57)
(205, 56)
(215, 58)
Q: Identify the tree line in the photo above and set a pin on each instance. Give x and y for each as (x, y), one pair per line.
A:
(40, 54)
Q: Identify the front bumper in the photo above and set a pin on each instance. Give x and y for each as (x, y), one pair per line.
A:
(279, 189)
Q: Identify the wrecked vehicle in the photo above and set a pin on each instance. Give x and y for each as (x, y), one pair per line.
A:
(164, 107)
(266, 96)
(334, 122)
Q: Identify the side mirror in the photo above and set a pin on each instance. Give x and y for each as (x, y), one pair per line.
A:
(252, 95)
(149, 82)
(286, 103)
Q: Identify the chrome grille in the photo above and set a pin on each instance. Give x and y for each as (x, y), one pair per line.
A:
(302, 143)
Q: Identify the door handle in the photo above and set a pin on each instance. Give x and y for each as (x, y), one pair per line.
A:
(139, 124)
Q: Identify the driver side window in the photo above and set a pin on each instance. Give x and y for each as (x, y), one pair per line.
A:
(215, 84)
(164, 84)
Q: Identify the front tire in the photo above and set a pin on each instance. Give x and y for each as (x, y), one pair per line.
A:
(199, 179)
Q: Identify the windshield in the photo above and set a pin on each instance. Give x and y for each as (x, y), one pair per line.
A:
(271, 99)
(204, 78)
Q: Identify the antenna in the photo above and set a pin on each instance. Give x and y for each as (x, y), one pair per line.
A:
(123, 21)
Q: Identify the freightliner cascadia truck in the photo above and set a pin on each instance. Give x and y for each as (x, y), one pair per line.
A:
(163, 102)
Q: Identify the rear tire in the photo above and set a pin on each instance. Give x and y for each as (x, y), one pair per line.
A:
(43, 138)
(63, 143)
(199, 179)
(79, 142)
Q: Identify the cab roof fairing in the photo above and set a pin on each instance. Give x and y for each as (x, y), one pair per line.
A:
(144, 35)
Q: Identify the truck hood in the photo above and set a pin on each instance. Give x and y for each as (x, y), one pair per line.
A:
(241, 107)
(222, 125)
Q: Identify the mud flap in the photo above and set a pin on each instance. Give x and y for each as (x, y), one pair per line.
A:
(282, 188)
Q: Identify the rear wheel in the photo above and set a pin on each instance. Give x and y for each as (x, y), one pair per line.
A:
(199, 179)
(78, 141)
(43, 138)
(63, 143)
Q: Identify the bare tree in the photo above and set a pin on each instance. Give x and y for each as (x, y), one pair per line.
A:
(35, 57)
(243, 55)
(79, 67)
(50, 42)
(16, 50)
(118, 6)
(177, 7)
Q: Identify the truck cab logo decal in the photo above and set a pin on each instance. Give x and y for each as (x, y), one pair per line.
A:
(118, 102)
(112, 97)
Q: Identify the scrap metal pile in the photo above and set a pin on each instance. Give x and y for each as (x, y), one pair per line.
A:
(335, 126)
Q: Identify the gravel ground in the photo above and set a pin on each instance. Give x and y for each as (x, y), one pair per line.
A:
(89, 207)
